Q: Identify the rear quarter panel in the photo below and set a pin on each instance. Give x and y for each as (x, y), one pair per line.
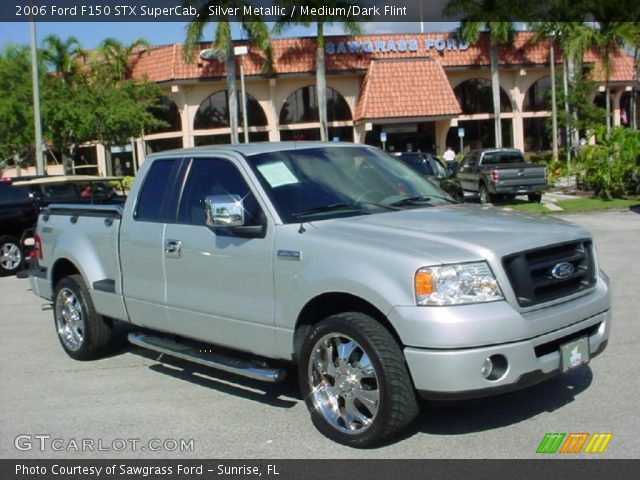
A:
(91, 245)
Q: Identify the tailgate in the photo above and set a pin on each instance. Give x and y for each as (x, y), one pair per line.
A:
(521, 175)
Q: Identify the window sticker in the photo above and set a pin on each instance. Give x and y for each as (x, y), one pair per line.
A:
(277, 174)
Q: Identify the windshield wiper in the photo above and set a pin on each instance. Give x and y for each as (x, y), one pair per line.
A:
(331, 208)
(419, 200)
(379, 205)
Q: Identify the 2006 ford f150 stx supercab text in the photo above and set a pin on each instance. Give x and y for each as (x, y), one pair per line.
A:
(335, 257)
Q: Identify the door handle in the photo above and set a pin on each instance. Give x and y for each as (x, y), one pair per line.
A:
(172, 248)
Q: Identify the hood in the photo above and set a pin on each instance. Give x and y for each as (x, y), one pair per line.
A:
(456, 233)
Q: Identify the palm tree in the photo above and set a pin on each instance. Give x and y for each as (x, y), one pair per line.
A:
(560, 31)
(118, 58)
(256, 30)
(475, 13)
(63, 56)
(631, 33)
(549, 30)
(350, 26)
(607, 33)
(607, 38)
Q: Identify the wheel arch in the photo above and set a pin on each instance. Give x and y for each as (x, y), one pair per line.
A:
(63, 267)
(331, 303)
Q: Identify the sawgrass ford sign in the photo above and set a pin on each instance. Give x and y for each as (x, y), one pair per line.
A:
(402, 45)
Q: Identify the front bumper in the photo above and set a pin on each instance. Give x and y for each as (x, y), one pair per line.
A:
(445, 347)
(455, 374)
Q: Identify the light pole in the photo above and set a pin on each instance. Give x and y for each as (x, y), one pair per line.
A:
(554, 107)
(241, 51)
(40, 167)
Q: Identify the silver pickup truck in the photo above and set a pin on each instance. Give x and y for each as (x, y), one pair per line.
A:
(495, 173)
(334, 257)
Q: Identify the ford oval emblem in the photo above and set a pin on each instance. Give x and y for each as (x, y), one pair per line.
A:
(562, 270)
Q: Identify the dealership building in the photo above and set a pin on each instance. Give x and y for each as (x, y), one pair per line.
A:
(419, 91)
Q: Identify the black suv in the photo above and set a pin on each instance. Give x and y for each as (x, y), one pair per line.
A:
(430, 167)
(20, 205)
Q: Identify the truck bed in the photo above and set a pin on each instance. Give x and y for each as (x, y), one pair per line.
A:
(90, 234)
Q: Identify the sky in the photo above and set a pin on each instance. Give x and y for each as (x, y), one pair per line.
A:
(161, 33)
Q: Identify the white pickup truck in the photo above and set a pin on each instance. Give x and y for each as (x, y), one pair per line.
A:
(334, 257)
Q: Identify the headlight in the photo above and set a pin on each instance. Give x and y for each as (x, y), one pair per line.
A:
(456, 284)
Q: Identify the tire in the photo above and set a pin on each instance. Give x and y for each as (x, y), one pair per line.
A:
(485, 196)
(359, 405)
(83, 333)
(11, 255)
(534, 197)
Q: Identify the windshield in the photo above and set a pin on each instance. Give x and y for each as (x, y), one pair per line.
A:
(331, 182)
(438, 169)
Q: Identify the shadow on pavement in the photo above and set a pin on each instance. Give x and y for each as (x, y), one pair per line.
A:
(495, 412)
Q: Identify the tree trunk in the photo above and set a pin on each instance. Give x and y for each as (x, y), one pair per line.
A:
(633, 111)
(233, 96)
(554, 106)
(495, 88)
(567, 112)
(607, 97)
(66, 164)
(321, 84)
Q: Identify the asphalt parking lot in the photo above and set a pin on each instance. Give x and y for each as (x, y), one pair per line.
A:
(132, 397)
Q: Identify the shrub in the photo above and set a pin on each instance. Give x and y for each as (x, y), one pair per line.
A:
(609, 167)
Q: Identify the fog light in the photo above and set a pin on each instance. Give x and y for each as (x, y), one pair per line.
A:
(495, 367)
(487, 368)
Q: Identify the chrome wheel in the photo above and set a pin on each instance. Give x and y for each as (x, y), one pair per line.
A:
(344, 384)
(69, 319)
(10, 256)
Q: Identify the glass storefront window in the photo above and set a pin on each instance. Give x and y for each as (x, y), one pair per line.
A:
(214, 112)
(302, 107)
(538, 97)
(475, 96)
(168, 112)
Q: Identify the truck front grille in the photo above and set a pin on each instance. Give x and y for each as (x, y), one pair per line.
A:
(531, 273)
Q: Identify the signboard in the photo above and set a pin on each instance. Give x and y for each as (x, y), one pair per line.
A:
(383, 137)
(209, 54)
(461, 132)
(405, 128)
(401, 45)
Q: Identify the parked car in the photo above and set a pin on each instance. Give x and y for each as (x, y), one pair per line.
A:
(501, 172)
(21, 199)
(431, 168)
(334, 257)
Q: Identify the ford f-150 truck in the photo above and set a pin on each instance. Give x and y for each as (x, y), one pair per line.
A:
(334, 257)
(501, 172)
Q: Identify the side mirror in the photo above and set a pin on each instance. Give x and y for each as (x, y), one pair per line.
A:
(225, 214)
(224, 211)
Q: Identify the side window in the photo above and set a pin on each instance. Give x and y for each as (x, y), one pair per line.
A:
(12, 195)
(215, 177)
(59, 193)
(156, 196)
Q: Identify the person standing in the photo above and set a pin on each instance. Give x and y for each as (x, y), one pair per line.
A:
(450, 159)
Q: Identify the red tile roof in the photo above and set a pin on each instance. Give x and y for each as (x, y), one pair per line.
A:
(401, 88)
(621, 69)
(297, 56)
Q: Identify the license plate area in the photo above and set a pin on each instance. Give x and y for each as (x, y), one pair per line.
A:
(574, 353)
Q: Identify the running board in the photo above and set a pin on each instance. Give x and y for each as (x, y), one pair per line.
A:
(246, 368)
